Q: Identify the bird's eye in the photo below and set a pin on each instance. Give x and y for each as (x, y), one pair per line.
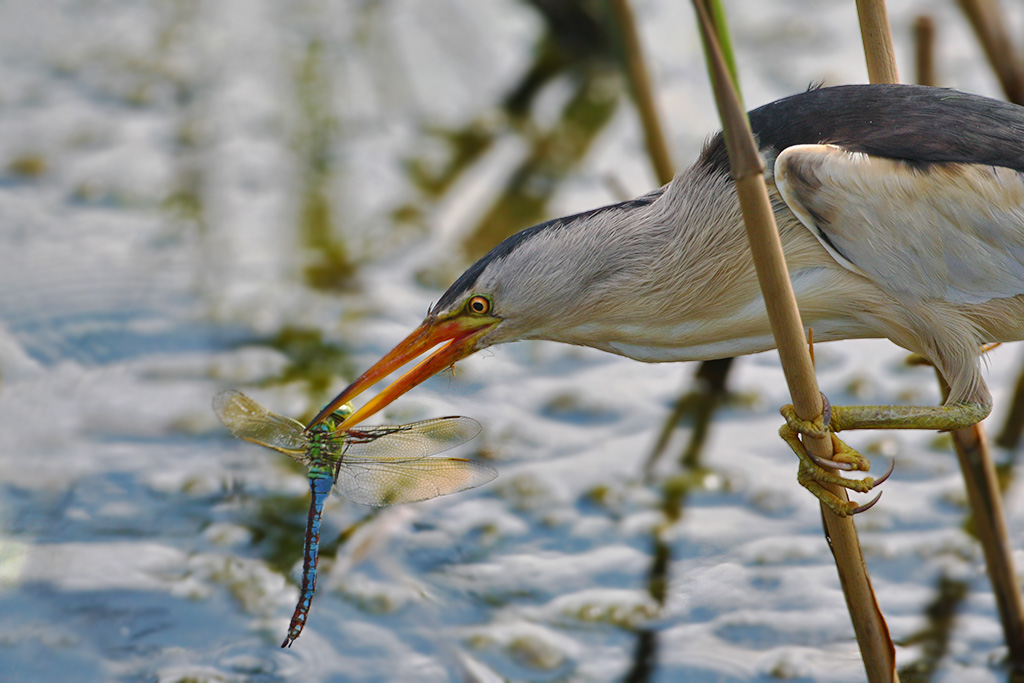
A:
(479, 305)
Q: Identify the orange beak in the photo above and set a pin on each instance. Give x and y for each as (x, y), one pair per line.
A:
(461, 334)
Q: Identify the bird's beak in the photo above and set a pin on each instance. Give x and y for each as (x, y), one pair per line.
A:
(462, 335)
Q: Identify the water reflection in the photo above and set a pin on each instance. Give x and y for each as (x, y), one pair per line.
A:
(199, 195)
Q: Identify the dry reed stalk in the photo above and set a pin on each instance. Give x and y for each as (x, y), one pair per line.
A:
(877, 38)
(986, 505)
(989, 23)
(710, 378)
(971, 444)
(924, 50)
(1009, 437)
(654, 136)
(747, 169)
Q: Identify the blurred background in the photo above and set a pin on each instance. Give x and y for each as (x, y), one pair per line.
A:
(266, 196)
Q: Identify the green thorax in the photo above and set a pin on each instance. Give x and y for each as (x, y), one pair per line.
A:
(324, 446)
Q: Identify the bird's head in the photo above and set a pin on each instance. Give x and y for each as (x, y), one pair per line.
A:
(534, 285)
(459, 329)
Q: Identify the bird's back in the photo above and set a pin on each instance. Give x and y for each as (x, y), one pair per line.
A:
(913, 123)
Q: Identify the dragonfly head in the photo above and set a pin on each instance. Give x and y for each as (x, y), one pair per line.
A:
(333, 421)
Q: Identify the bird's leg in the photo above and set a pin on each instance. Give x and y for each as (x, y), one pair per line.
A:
(812, 473)
(939, 418)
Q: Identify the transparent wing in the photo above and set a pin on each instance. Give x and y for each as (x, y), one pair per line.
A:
(394, 480)
(248, 420)
(412, 441)
(387, 465)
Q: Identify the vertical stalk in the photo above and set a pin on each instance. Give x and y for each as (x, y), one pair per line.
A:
(924, 50)
(711, 375)
(971, 444)
(747, 170)
(654, 135)
(986, 504)
(1009, 437)
(989, 24)
(878, 49)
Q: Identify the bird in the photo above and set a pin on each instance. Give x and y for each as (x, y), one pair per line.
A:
(900, 209)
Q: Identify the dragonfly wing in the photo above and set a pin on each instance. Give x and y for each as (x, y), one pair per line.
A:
(410, 441)
(390, 481)
(248, 420)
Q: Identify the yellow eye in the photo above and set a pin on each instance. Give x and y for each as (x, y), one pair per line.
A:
(479, 305)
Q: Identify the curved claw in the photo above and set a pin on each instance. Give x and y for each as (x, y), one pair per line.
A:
(843, 457)
(826, 410)
(868, 505)
(881, 479)
(813, 472)
(825, 462)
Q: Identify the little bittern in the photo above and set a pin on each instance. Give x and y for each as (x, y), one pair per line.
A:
(901, 213)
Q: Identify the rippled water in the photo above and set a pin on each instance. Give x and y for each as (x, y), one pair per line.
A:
(266, 196)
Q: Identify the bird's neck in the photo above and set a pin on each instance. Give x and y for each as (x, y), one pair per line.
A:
(722, 332)
(698, 298)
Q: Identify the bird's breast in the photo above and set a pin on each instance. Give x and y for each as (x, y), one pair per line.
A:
(829, 298)
(695, 346)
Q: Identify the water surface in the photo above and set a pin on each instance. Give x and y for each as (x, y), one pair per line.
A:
(266, 196)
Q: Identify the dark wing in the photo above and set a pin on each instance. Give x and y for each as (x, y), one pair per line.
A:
(248, 420)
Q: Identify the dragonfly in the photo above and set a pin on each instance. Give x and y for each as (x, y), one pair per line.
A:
(379, 465)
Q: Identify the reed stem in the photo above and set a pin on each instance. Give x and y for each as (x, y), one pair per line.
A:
(747, 169)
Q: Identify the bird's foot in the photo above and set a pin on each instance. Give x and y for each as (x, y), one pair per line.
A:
(843, 457)
(813, 474)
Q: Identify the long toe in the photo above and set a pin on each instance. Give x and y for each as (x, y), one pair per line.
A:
(816, 427)
(843, 457)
